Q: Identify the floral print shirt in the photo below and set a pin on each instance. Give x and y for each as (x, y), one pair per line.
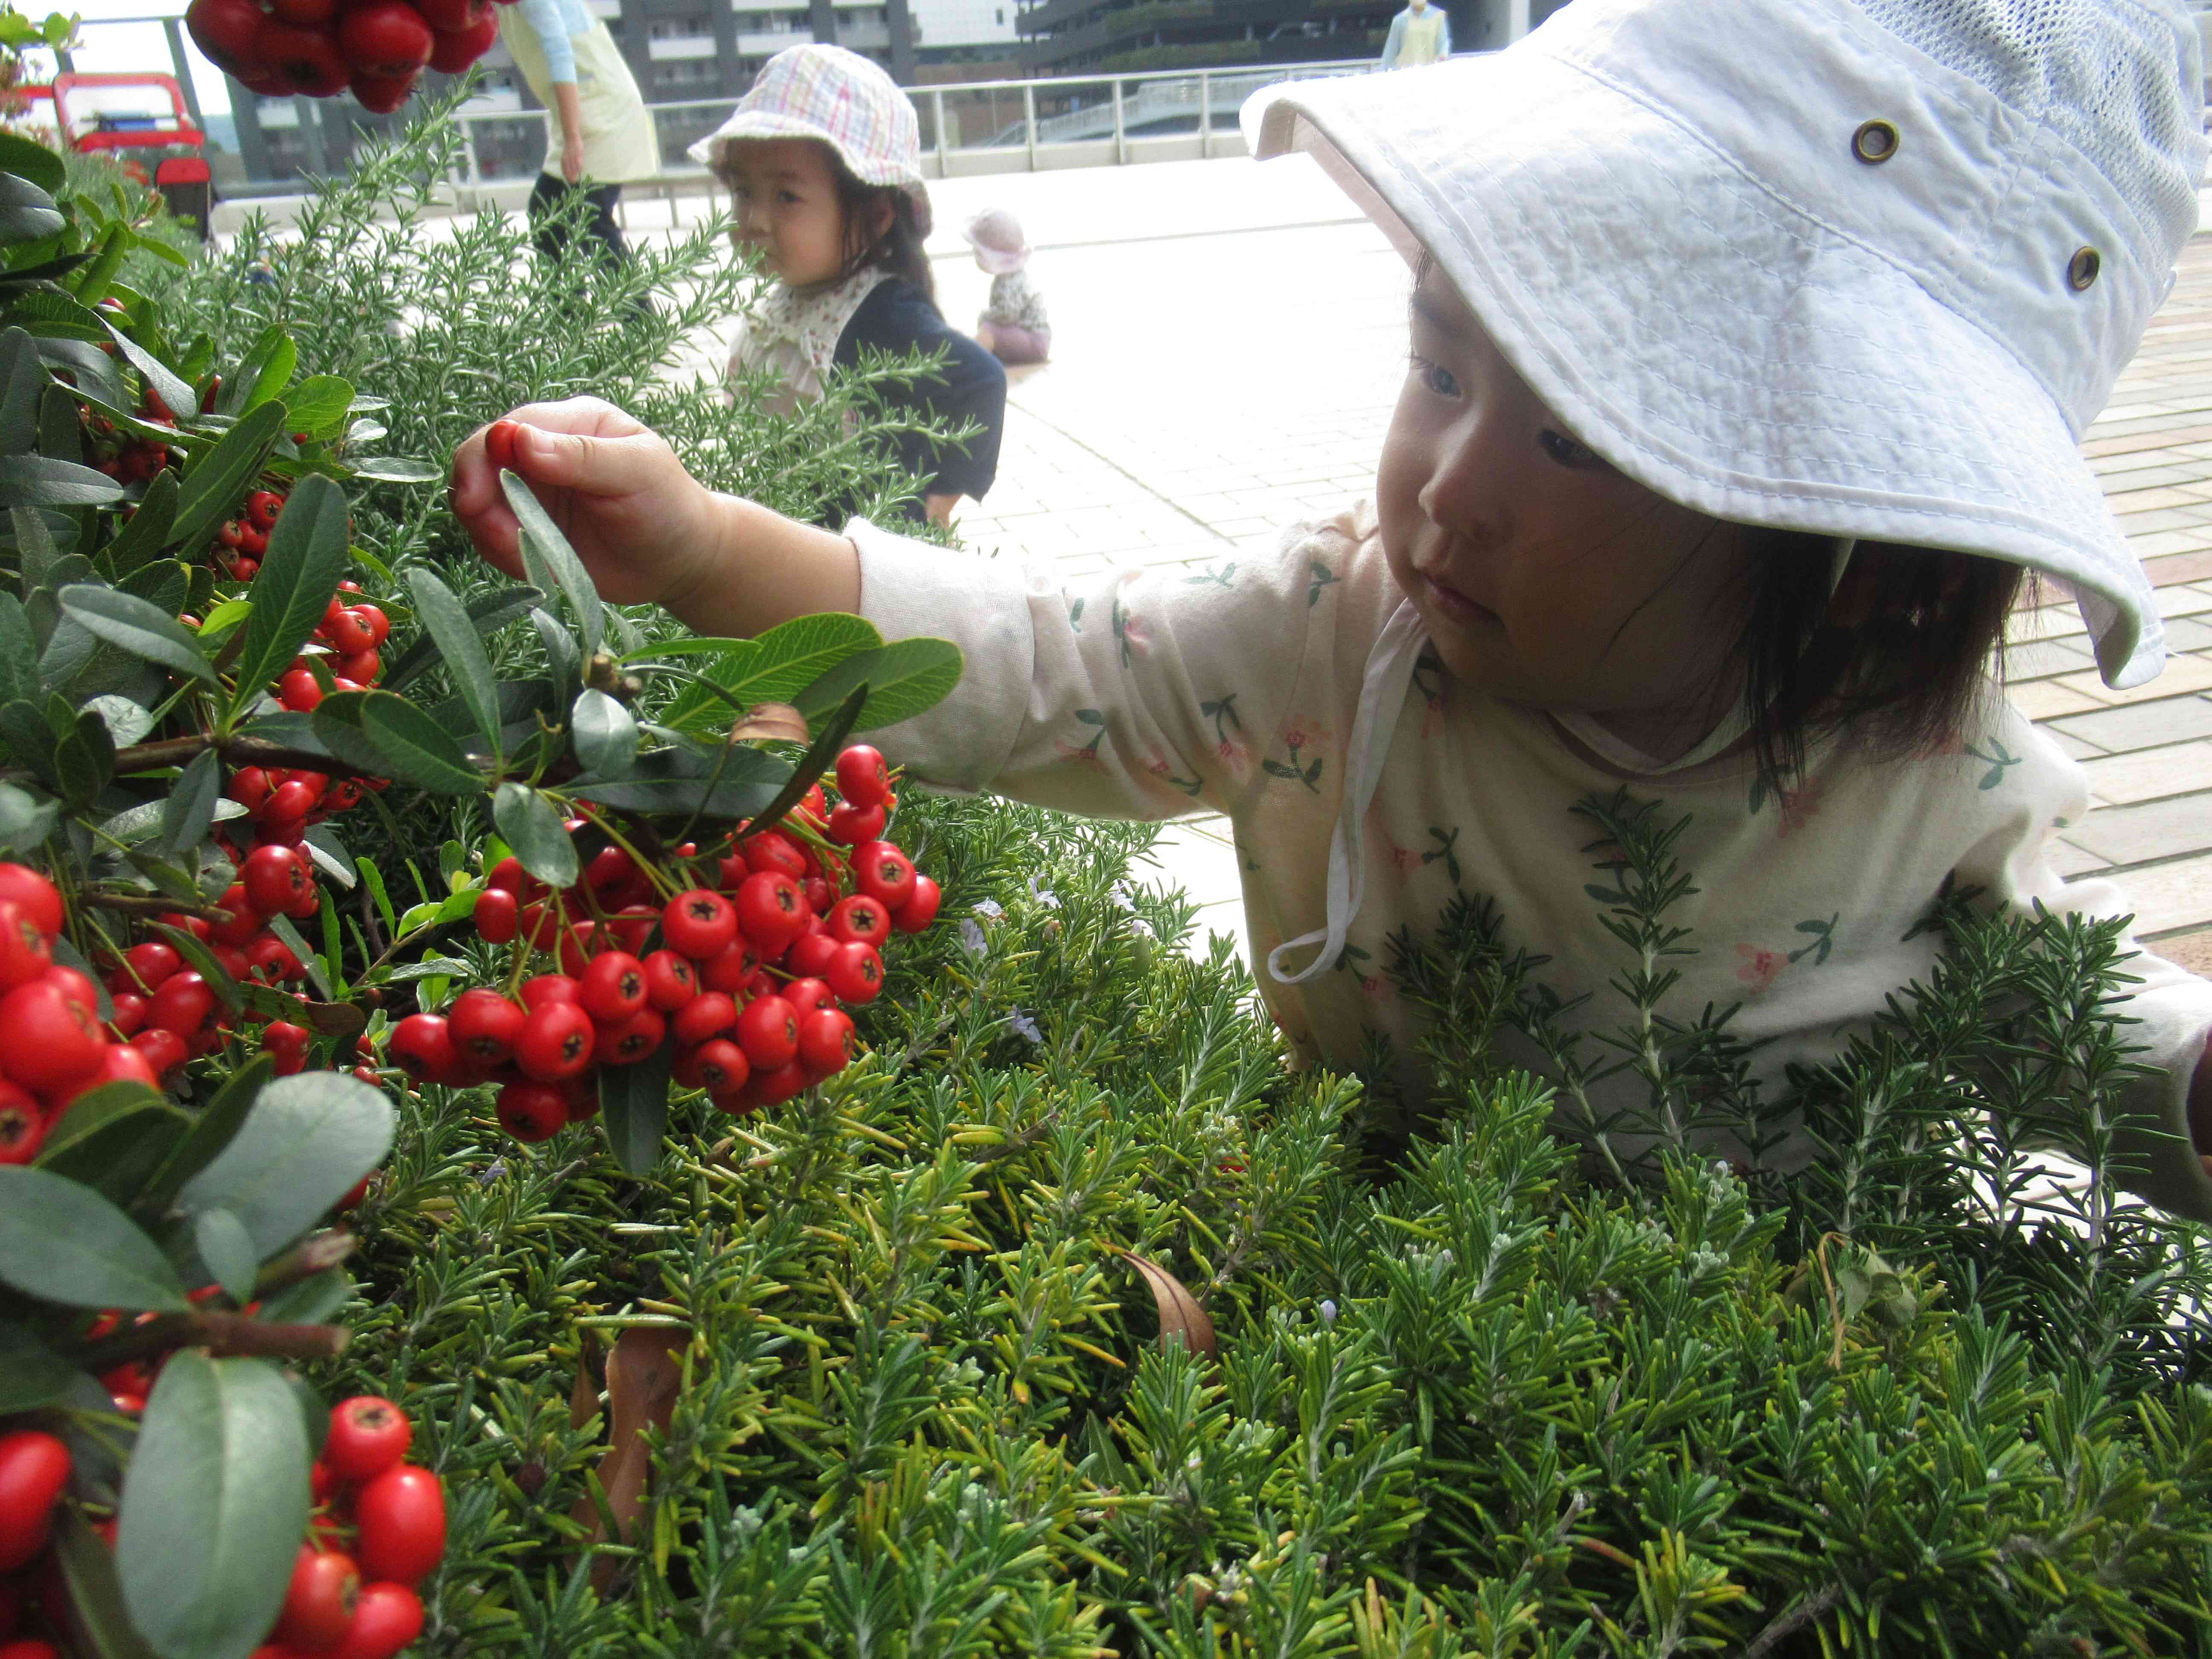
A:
(1158, 693)
(1015, 303)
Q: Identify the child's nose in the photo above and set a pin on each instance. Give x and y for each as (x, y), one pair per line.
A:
(1471, 476)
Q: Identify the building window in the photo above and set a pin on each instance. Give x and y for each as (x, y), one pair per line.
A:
(999, 17)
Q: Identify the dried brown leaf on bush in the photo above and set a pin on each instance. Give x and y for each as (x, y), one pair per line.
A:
(1180, 1313)
(645, 1371)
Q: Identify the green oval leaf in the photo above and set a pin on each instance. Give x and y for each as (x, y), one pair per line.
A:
(215, 1501)
(487, 614)
(633, 1101)
(38, 480)
(133, 624)
(380, 732)
(31, 1374)
(226, 1248)
(773, 668)
(189, 811)
(605, 733)
(305, 562)
(903, 678)
(65, 1242)
(461, 647)
(530, 824)
(318, 405)
(306, 1141)
(552, 564)
(398, 469)
(220, 477)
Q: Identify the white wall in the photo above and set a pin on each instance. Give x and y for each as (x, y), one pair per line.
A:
(961, 22)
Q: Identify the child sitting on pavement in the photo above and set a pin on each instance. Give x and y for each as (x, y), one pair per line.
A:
(1013, 327)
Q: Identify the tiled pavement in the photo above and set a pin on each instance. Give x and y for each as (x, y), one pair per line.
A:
(1226, 352)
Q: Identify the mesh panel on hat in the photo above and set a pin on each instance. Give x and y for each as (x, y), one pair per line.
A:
(2092, 70)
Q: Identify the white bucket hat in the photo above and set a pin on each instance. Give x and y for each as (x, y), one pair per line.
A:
(1867, 270)
(840, 99)
(996, 236)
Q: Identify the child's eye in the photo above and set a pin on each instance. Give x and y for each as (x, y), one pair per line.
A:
(1565, 451)
(1435, 377)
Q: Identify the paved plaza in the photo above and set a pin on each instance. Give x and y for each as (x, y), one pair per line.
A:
(1228, 342)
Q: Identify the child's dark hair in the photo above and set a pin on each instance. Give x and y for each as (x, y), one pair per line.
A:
(1895, 659)
(898, 250)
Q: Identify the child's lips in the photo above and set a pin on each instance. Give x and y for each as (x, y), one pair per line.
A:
(1455, 606)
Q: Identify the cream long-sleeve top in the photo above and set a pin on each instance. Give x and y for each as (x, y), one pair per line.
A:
(1155, 694)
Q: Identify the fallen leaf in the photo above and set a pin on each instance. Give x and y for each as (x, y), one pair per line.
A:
(1180, 1313)
(645, 1371)
(584, 1398)
(777, 721)
(337, 1019)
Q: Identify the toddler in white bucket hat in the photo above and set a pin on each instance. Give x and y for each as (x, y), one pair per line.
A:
(1751, 341)
(1014, 327)
(823, 160)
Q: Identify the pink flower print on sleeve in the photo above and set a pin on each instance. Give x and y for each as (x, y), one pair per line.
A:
(1760, 967)
(1406, 860)
(1799, 807)
(1129, 632)
(1235, 753)
(1301, 735)
(1085, 754)
(1159, 766)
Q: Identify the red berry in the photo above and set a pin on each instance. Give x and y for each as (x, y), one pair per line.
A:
(402, 1516)
(853, 824)
(532, 1112)
(613, 988)
(485, 1026)
(373, 619)
(499, 444)
(884, 872)
(918, 912)
(772, 854)
(624, 1043)
(242, 924)
(509, 876)
(728, 971)
(721, 1066)
(289, 803)
(767, 1088)
(360, 667)
(825, 1041)
(152, 963)
(810, 954)
(710, 1014)
(276, 878)
(26, 953)
(318, 1606)
(387, 1618)
(856, 973)
(546, 990)
(862, 777)
(669, 981)
(700, 923)
(348, 631)
(299, 690)
(609, 871)
(861, 918)
(287, 1045)
(578, 941)
(129, 1013)
(768, 1030)
(23, 1124)
(47, 1037)
(556, 1043)
(387, 39)
(497, 915)
(423, 1047)
(769, 908)
(369, 1435)
(41, 899)
(262, 507)
(271, 961)
(250, 788)
(165, 1050)
(33, 1469)
(806, 995)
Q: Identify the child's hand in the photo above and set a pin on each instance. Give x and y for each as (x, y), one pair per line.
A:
(644, 527)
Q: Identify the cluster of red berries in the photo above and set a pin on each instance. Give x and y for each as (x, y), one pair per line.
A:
(52, 1046)
(378, 1529)
(350, 633)
(320, 48)
(241, 542)
(748, 978)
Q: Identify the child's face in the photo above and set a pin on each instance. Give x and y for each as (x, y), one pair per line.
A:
(787, 207)
(1545, 576)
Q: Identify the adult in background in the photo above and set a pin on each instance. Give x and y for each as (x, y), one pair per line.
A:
(1419, 34)
(607, 135)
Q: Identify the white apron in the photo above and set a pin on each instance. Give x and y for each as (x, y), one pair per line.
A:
(620, 142)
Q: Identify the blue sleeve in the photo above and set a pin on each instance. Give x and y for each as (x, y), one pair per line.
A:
(969, 387)
(548, 18)
(1443, 40)
(1396, 41)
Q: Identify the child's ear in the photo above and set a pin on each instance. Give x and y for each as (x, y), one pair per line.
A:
(880, 219)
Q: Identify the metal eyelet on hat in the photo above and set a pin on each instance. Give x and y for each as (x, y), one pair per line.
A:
(2082, 269)
(1874, 142)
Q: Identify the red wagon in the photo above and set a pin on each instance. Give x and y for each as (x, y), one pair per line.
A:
(143, 122)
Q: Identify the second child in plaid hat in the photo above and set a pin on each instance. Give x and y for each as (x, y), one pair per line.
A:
(822, 159)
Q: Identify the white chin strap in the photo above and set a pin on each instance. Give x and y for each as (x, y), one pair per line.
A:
(1381, 699)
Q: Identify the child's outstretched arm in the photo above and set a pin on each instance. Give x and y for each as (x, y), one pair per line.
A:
(646, 529)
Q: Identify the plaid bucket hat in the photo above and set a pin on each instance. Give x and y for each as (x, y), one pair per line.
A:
(844, 100)
(1867, 268)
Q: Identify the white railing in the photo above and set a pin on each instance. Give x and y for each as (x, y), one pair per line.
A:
(1095, 119)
